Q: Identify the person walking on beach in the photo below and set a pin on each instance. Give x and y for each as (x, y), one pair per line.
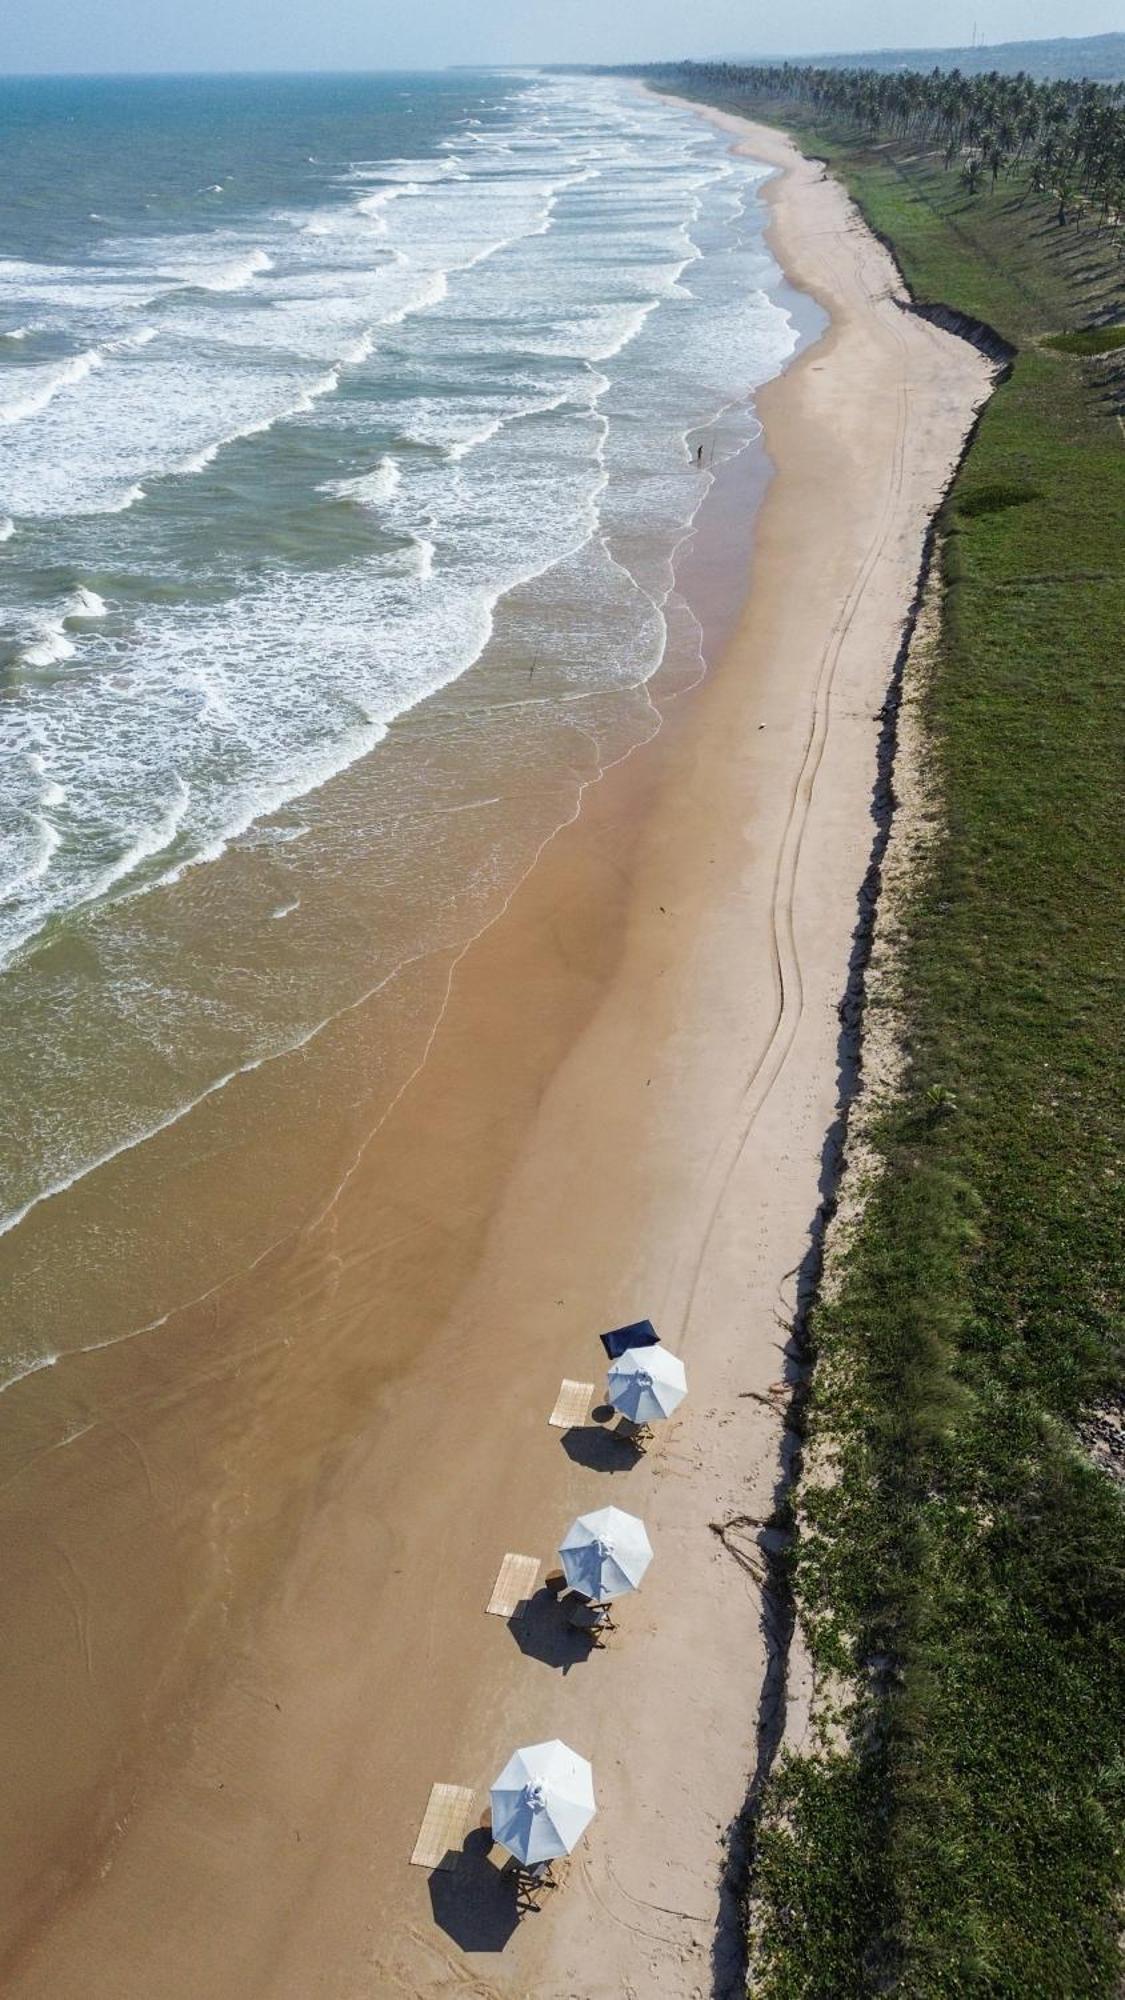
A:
(699, 454)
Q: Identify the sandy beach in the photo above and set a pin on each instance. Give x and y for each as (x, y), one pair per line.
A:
(625, 1109)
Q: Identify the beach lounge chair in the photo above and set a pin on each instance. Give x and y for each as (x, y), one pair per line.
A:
(592, 1620)
(531, 1879)
(640, 1436)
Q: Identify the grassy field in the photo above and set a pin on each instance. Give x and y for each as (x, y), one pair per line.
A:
(966, 1571)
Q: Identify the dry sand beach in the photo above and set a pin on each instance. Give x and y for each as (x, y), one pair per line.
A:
(625, 1109)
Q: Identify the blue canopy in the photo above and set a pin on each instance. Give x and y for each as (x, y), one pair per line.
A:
(642, 1333)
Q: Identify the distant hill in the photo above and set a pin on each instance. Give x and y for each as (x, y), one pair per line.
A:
(1099, 57)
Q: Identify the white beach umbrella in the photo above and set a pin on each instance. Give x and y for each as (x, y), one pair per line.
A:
(605, 1554)
(542, 1802)
(646, 1383)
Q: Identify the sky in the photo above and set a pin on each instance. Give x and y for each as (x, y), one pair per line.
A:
(153, 35)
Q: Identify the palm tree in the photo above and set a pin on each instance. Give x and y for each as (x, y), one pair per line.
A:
(1071, 135)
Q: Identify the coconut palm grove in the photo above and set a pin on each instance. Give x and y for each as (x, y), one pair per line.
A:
(1068, 136)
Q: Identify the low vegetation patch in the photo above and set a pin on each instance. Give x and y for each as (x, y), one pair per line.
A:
(1088, 340)
(994, 497)
(964, 1569)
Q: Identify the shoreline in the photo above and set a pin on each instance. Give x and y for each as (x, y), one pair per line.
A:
(661, 990)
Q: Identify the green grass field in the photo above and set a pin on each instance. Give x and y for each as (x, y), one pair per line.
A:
(966, 1572)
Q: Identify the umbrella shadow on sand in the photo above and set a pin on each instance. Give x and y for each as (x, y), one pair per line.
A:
(542, 1632)
(474, 1902)
(599, 1448)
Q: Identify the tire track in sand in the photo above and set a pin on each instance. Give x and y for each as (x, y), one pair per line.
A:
(784, 949)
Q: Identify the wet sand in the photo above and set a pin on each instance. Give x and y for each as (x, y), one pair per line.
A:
(310, 1480)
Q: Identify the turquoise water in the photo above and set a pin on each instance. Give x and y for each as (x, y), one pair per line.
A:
(315, 395)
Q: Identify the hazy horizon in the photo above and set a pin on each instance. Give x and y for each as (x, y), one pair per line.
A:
(152, 37)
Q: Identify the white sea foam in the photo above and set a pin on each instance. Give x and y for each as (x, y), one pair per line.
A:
(373, 206)
(20, 1366)
(120, 503)
(49, 841)
(84, 606)
(371, 209)
(48, 646)
(7, 527)
(87, 463)
(85, 467)
(231, 275)
(518, 397)
(302, 402)
(258, 801)
(597, 336)
(215, 710)
(147, 842)
(432, 289)
(42, 843)
(422, 557)
(584, 391)
(367, 489)
(37, 386)
(461, 447)
(360, 350)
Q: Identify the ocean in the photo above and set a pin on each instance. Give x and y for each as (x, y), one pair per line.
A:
(353, 431)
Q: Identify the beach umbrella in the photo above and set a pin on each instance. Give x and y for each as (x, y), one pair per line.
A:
(542, 1802)
(646, 1383)
(605, 1554)
(641, 1333)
